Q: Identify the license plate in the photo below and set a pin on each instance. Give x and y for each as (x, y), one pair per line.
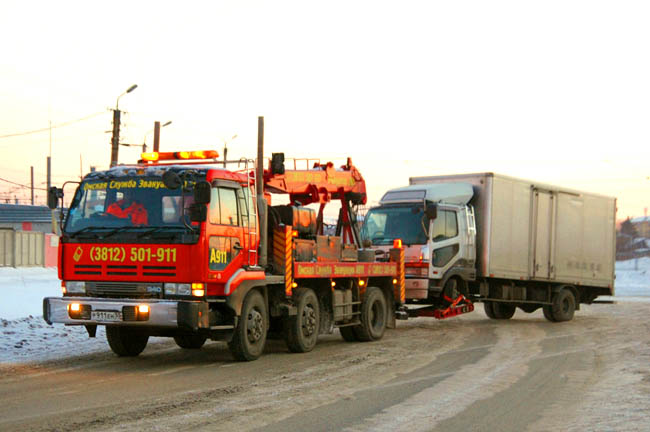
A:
(106, 316)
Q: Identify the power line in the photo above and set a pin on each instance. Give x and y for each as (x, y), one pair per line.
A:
(53, 126)
(21, 185)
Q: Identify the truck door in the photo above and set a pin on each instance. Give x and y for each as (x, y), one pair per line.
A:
(446, 241)
(225, 231)
(543, 234)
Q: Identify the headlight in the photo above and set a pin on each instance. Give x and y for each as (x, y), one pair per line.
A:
(72, 287)
(180, 289)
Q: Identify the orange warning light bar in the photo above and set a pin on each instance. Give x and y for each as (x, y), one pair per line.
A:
(397, 243)
(182, 155)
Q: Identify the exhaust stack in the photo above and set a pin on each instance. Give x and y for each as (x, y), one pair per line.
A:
(261, 202)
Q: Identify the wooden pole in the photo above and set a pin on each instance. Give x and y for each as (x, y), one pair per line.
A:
(156, 136)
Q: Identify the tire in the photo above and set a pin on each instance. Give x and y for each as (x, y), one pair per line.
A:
(489, 311)
(348, 334)
(453, 288)
(373, 316)
(249, 338)
(503, 311)
(126, 341)
(191, 341)
(301, 330)
(548, 313)
(564, 305)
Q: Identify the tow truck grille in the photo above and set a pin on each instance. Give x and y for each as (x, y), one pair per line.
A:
(124, 289)
(125, 270)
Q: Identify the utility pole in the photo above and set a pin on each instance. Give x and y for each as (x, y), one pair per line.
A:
(49, 173)
(115, 138)
(32, 176)
(156, 136)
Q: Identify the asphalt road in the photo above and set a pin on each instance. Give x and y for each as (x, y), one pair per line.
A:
(466, 373)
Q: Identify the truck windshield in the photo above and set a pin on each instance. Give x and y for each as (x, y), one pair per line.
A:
(384, 224)
(125, 203)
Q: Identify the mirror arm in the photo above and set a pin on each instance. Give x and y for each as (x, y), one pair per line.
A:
(184, 179)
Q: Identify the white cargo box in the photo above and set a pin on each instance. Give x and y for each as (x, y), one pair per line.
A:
(533, 231)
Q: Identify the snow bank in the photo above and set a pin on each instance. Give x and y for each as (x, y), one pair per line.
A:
(633, 277)
(22, 290)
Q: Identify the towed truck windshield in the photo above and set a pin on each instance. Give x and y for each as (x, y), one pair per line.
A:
(384, 224)
(108, 206)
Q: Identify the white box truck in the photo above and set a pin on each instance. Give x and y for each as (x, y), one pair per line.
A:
(503, 241)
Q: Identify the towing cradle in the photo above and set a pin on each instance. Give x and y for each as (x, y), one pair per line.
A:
(461, 305)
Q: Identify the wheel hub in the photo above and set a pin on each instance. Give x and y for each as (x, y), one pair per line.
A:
(255, 326)
(308, 321)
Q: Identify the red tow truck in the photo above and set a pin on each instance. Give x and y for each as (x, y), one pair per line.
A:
(206, 256)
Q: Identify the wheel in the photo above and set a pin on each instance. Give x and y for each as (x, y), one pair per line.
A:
(453, 288)
(191, 341)
(126, 341)
(548, 313)
(503, 310)
(249, 337)
(301, 330)
(564, 305)
(348, 334)
(373, 316)
(489, 311)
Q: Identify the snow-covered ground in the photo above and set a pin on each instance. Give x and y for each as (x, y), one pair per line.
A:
(25, 337)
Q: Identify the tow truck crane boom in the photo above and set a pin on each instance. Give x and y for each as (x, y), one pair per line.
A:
(321, 184)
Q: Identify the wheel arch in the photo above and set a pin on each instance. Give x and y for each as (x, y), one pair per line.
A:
(235, 300)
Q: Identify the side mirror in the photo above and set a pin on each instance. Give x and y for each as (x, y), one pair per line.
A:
(431, 210)
(198, 212)
(171, 180)
(202, 192)
(53, 196)
(277, 163)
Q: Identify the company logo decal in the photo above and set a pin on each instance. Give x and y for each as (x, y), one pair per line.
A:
(77, 254)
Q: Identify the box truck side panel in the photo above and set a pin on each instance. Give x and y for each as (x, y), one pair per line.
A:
(598, 240)
(569, 237)
(509, 229)
(585, 240)
(543, 219)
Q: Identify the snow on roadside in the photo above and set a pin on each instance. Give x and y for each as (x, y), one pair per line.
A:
(25, 337)
(633, 277)
(22, 290)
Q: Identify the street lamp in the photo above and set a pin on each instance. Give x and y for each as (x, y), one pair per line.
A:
(115, 139)
(129, 90)
(225, 148)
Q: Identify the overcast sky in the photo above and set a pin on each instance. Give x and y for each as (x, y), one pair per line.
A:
(553, 91)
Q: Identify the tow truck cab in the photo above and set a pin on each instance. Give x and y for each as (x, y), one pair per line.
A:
(170, 270)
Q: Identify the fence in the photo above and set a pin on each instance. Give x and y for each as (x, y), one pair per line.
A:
(27, 248)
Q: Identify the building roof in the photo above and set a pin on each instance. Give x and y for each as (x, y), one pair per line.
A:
(640, 219)
(16, 213)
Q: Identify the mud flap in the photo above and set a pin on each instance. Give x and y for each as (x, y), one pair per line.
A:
(193, 315)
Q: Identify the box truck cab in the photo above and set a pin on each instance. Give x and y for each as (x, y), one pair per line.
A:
(507, 242)
(437, 228)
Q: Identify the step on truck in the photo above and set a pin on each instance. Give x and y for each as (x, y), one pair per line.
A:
(177, 246)
(506, 242)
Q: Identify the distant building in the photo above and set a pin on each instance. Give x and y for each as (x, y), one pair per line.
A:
(26, 218)
(642, 226)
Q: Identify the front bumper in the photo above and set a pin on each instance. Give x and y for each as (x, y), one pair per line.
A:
(162, 313)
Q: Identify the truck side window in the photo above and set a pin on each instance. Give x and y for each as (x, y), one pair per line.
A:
(445, 226)
(243, 206)
(223, 207)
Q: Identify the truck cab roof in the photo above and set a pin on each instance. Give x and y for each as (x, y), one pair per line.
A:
(447, 193)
